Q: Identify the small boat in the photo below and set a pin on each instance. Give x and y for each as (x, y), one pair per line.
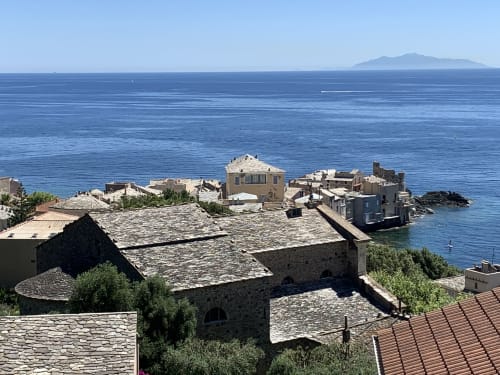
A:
(429, 210)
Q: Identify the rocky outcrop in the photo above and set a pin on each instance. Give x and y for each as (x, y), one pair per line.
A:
(440, 198)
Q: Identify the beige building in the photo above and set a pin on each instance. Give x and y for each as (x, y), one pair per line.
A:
(17, 245)
(9, 185)
(247, 174)
(482, 278)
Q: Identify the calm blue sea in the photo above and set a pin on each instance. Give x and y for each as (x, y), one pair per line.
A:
(68, 132)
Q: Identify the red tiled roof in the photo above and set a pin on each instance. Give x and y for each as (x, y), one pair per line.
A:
(463, 338)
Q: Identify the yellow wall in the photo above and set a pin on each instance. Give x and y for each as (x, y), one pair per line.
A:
(277, 190)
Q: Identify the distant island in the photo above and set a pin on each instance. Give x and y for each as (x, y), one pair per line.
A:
(416, 61)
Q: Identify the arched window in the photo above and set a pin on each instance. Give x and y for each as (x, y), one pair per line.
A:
(325, 274)
(287, 280)
(215, 315)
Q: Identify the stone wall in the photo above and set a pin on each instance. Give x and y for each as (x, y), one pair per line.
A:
(245, 303)
(81, 246)
(32, 306)
(305, 263)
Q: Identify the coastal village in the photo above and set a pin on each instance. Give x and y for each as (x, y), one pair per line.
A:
(287, 268)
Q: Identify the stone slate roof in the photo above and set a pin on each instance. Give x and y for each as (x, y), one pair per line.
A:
(247, 163)
(463, 338)
(68, 344)
(54, 285)
(318, 308)
(271, 230)
(155, 226)
(197, 264)
(82, 202)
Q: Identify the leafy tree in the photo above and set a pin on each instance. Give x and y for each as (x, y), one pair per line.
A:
(410, 262)
(21, 207)
(163, 321)
(198, 357)
(5, 199)
(433, 265)
(418, 292)
(336, 358)
(389, 259)
(101, 289)
(39, 197)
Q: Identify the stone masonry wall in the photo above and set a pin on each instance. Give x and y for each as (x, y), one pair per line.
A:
(32, 306)
(246, 304)
(305, 263)
(81, 246)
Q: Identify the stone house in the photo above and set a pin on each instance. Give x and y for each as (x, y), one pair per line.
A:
(182, 244)
(247, 174)
(104, 343)
(333, 179)
(18, 260)
(229, 267)
(9, 185)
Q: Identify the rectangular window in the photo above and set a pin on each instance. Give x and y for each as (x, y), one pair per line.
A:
(236, 180)
(276, 179)
(255, 179)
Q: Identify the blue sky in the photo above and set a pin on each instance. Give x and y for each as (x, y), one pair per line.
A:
(217, 35)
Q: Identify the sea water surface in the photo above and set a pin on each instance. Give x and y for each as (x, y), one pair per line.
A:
(73, 132)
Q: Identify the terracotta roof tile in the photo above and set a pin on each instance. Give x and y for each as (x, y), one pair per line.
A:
(463, 338)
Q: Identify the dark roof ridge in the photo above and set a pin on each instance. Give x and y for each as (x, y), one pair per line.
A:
(175, 242)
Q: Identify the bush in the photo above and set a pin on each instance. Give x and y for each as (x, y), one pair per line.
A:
(215, 209)
(198, 357)
(102, 289)
(167, 198)
(8, 302)
(332, 359)
(409, 262)
(418, 292)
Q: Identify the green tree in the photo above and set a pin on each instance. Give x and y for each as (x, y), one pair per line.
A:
(162, 321)
(21, 207)
(5, 199)
(101, 289)
(39, 197)
(433, 265)
(418, 292)
(411, 262)
(198, 357)
(336, 358)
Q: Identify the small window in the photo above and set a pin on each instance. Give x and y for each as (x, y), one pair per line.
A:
(276, 180)
(215, 315)
(237, 180)
(287, 281)
(325, 274)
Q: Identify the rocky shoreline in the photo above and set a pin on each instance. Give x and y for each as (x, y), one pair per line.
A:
(424, 203)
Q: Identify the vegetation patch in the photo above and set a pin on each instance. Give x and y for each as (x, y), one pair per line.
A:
(408, 274)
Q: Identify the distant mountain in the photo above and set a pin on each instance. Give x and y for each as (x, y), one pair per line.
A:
(416, 61)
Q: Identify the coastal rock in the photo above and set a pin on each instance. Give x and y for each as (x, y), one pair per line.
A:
(440, 198)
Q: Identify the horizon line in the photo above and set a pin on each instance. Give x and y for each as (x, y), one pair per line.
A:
(355, 69)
